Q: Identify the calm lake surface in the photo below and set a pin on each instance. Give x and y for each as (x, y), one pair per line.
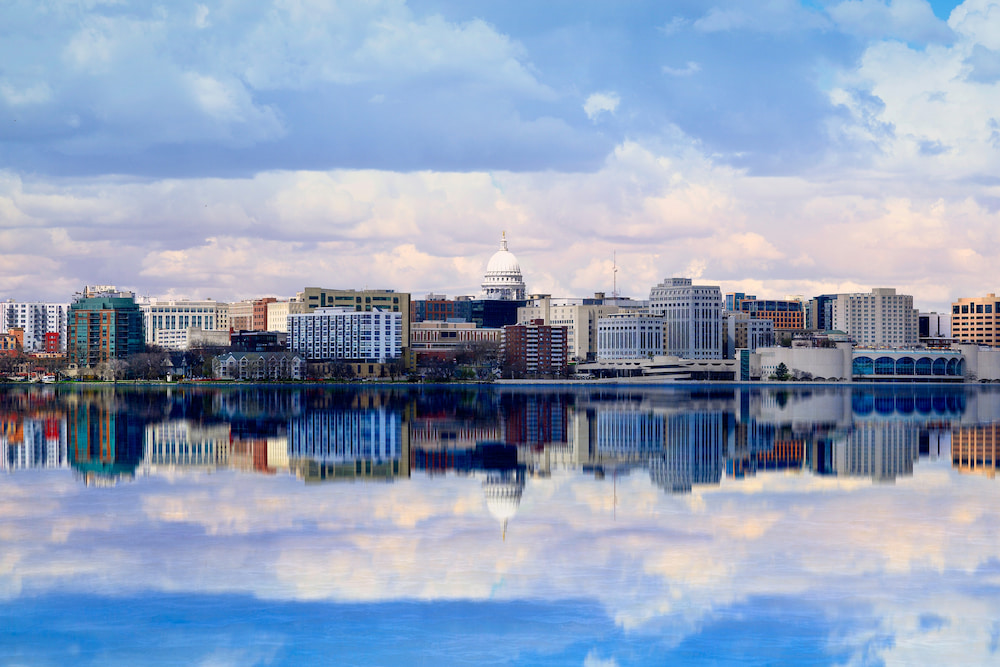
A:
(581, 526)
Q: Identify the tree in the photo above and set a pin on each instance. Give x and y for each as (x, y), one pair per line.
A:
(780, 373)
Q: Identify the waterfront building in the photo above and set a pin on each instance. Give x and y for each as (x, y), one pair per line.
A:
(629, 336)
(442, 339)
(744, 332)
(385, 300)
(692, 316)
(259, 366)
(976, 320)
(871, 365)
(879, 319)
(819, 312)
(534, 349)
(341, 333)
(787, 315)
(579, 316)
(503, 280)
(168, 322)
(39, 322)
(103, 324)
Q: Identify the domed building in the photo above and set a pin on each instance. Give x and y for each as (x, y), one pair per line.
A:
(503, 281)
(503, 489)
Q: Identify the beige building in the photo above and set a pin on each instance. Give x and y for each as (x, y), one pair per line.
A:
(976, 320)
(579, 318)
(241, 316)
(360, 300)
(278, 312)
(880, 319)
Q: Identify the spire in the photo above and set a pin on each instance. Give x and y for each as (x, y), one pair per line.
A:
(503, 240)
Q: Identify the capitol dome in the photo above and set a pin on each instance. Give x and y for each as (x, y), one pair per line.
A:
(503, 494)
(503, 280)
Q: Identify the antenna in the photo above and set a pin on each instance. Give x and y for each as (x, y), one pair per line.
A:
(614, 273)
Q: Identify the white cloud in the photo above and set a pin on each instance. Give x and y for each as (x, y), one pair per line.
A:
(898, 19)
(687, 70)
(599, 103)
(36, 93)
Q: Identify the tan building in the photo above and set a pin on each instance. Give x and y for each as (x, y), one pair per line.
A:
(360, 300)
(278, 312)
(241, 316)
(435, 338)
(976, 320)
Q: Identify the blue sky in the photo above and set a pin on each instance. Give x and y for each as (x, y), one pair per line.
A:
(233, 150)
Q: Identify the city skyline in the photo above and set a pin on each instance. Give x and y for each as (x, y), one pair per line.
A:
(203, 151)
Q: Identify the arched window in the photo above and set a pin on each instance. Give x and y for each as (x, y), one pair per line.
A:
(863, 366)
(923, 366)
(940, 366)
(885, 366)
(904, 366)
(953, 367)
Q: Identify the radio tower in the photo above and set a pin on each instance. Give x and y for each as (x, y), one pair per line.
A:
(614, 273)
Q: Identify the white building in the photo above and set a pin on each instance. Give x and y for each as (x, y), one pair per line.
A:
(880, 319)
(629, 336)
(344, 333)
(503, 280)
(166, 322)
(37, 319)
(692, 315)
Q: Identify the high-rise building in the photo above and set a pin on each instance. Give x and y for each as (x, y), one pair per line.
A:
(534, 349)
(167, 321)
(346, 334)
(819, 312)
(503, 280)
(103, 324)
(692, 315)
(976, 320)
(629, 336)
(880, 319)
(35, 320)
(386, 300)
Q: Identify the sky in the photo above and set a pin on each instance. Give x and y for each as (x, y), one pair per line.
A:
(233, 150)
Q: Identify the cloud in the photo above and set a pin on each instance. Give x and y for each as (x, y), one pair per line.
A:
(688, 70)
(908, 20)
(598, 103)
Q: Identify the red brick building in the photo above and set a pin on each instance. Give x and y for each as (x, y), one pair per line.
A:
(534, 349)
(260, 313)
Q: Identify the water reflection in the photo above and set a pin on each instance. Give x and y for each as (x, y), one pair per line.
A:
(681, 517)
(683, 437)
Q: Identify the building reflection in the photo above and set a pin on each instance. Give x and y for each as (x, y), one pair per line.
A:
(974, 449)
(104, 438)
(682, 437)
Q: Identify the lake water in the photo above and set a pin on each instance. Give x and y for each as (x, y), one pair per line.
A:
(583, 526)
